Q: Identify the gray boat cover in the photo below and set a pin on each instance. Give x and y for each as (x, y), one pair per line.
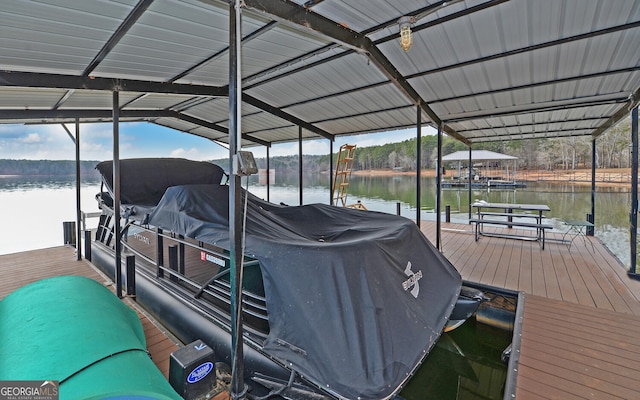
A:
(356, 299)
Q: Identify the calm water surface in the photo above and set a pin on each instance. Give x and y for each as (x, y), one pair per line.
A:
(566, 201)
(32, 209)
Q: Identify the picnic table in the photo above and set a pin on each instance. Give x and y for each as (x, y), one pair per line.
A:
(486, 213)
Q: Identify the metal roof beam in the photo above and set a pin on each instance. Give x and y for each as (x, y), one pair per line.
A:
(224, 51)
(107, 115)
(337, 94)
(286, 116)
(328, 47)
(122, 30)
(298, 16)
(435, 22)
(292, 61)
(632, 102)
(362, 114)
(210, 125)
(302, 17)
(222, 129)
(64, 98)
(534, 47)
(552, 133)
(538, 84)
(267, 27)
(499, 138)
(542, 123)
(58, 81)
(540, 108)
(427, 9)
(471, 95)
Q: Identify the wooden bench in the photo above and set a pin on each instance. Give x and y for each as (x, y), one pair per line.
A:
(509, 214)
(538, 226)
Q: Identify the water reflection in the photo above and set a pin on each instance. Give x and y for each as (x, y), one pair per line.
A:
(33, 209)
(378, 193)
(12, 183)
(464, 364)
(566, 201)
(381, 193)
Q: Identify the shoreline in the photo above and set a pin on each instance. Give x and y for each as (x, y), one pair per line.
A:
(617, 177)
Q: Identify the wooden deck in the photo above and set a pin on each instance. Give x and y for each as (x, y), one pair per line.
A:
(581, 316)
(581, 322)
(582, 274)
(20, 269)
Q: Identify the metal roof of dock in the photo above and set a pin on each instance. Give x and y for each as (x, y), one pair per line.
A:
(477, 155)
(484, 70)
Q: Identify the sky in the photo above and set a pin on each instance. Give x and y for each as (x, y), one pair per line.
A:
(143, 139)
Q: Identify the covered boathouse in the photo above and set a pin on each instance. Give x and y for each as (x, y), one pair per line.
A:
(253, 73)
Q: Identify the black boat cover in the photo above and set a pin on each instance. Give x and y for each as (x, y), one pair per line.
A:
(143, 181)
(356, 299)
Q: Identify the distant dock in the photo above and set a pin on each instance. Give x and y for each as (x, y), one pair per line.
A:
(485, 184)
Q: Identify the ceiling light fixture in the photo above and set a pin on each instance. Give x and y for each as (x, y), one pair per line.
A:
(405, 32)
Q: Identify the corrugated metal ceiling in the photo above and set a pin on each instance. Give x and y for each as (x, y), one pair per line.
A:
(487, 70)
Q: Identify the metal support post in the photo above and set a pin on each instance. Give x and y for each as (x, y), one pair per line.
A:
(131, 275)
(87, 245)
(300, 162)
(173, 261)
(268, 174)
(469, 179)
(331, 172)
(418, 162)
(238, 389)
(116, 192)
(78, 206)
(181, 255)
(593, 186)
(633, 214)
(159, 253)
(438, 187)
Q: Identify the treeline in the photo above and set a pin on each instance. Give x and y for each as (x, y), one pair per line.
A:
(612, 151)
(46, 167)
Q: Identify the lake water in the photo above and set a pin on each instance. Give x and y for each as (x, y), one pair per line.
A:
(566, 201)
(33, 209)
(466, 362)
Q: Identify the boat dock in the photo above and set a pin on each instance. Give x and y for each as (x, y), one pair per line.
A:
(579, 327)
(581, 312)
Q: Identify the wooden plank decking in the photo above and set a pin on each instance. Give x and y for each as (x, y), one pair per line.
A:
(582, 274)
(571, 351)
(20, 269)
(581, 321)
